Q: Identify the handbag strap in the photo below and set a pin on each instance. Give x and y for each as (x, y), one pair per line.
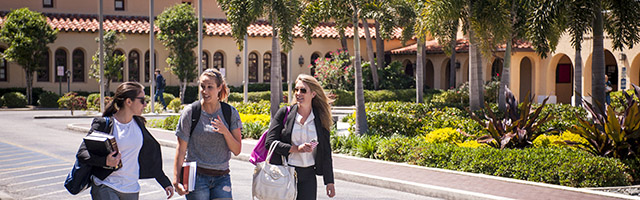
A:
(272, 148)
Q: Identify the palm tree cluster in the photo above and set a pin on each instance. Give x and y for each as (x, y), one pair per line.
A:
(487, 24)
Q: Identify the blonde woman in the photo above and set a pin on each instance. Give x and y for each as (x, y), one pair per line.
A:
(304, 138)
(209, 138)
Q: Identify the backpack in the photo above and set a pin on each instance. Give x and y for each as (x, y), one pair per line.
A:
(162, 83)
(196, 107)
(259, 152)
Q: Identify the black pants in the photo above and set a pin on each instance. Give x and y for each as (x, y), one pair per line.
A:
(307, 184)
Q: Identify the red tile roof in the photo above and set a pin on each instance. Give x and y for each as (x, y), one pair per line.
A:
(213, 27)
(462, 45)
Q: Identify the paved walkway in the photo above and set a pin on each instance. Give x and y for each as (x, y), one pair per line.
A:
(431, 182)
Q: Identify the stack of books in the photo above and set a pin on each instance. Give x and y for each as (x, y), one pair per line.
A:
(102, 144)
(188, 175)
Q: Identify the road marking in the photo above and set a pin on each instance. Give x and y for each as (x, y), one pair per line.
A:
(39, 151)
(36, 180)
(21, 157)
(17, 169)
(12, 152)
(45, 194)
(26, 162)
(39, 186)
(16, 154)
(45, 172)
(148, 193)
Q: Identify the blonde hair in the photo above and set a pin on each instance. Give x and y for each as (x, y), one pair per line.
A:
(320, 103)
(220, 82)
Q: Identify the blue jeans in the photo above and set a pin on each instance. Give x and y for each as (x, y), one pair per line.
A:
(211, 187)
(160, 95)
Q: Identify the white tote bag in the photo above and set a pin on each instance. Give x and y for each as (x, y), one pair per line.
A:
(274, 182)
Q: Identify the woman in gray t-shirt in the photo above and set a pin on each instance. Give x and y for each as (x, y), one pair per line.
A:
(211, 143)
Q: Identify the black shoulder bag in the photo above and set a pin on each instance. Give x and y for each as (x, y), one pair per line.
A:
(80, 176)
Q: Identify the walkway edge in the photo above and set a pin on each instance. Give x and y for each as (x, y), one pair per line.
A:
(405, 186)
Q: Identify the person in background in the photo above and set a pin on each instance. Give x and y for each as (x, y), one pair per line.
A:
(160, 84)
(212, 141)
(304, 138)
(607, 88)
(139, 152)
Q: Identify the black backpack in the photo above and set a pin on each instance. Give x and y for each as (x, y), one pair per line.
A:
(162, 83)
(196, 107)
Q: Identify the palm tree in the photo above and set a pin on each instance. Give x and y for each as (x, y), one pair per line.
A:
(374, 69)
(342, 12)
(407, 12)
(282, 15)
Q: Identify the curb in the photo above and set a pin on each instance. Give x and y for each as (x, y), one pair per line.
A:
(406, 186)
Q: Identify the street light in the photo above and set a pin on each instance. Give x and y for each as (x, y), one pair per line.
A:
(301, 60)
(238, 60)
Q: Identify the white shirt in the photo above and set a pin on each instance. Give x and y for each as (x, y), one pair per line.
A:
(303, 132)
(129, 139)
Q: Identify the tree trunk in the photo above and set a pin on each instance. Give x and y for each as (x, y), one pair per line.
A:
(361, 115)
(504, 77)
(419, 71)
(183, 89)
(597, 66)
(475, 74)
(106, 87)
(577, 79)
(374, 70)
(379, 47)
(276, 96)
(343, 40)
(29, 77)
(452, 63)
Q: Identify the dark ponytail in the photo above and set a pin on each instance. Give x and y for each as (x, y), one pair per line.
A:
(126, 90)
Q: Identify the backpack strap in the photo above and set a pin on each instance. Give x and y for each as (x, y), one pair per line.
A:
(195, 114)
(226, 112)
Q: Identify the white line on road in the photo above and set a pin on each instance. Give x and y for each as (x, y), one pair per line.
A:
(17, 169)
(45, 194)
(31, 174)
(26, 162)
(36, 180)
(39, 186)
(19, 158)
(16, 154)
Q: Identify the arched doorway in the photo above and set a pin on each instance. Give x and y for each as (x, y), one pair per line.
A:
(446, 74)
(428, 77)
(496, 69)
(611, 69)
(408, 68)
(526, 77)
(564, 80)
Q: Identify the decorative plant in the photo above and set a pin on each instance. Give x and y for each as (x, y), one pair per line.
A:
(335, 72)
(519, 126)
(610, 133)
(72, 102)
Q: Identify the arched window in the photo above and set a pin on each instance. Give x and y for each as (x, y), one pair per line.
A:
(283, 68)
(205, 60)
(118, 77)
(3, 68)
(44, 68)
(328, 55)
(146, 65)
(253, 67)
(78, 66)
(496, 68)
(266, 67)
(60, 60)
(218, 60)
(314, 57)
(134, 66)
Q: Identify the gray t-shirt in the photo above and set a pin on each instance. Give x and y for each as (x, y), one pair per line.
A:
(206, 147)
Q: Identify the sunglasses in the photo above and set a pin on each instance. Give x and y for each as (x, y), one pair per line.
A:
(302, 90)
(142, 100)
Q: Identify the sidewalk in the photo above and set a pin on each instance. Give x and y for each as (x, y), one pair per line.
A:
(425, 181)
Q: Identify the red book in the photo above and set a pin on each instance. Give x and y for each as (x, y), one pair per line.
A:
(188, 175)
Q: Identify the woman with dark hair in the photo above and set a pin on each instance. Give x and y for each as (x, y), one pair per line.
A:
(139, 153)
(304, 138)
(209, 130)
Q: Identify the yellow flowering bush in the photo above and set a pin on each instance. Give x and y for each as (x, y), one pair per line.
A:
(543, 141)
(472, 144)
(443, 135)
(260, 118)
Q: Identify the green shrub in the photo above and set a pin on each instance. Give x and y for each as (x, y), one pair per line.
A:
(175, 105)
(443, 135)
(168, 97)
(1, 101)
(171, 122)
(252, 107)
(546, 141)
(91, 101)
(358, 145)
(253, 129)
(48, 100)
(14, 100)
(235, 97)
(156, 109)
(72, 102)
(396, 148)
(35, 92)
(555, 166)
(564, 116)
(472, 144)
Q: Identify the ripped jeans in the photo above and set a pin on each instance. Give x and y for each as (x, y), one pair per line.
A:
(211, 187)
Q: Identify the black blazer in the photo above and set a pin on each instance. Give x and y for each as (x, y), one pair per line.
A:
(149, 158)
(278, 132)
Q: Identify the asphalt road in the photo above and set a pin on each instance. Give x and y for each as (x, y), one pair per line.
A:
(37, 154)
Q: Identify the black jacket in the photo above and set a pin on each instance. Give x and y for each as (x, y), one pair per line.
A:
(324, 162)
(149, 158)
